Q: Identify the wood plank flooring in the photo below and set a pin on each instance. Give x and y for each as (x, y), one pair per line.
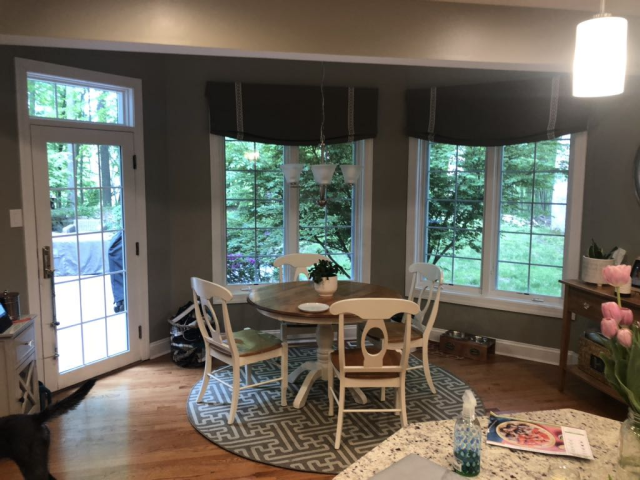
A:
(134, 425)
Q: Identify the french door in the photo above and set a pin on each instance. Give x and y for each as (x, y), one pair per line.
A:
(84, 184)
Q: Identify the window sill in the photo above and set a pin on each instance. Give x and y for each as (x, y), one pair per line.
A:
(530, 307)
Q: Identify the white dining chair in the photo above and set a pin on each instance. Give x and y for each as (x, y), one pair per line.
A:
(236, 349)
(430, 278)
(364, 366)
(298, 264)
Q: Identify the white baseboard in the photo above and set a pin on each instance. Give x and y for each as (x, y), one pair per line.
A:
(525, 351)
(508, 348)
(159, 348)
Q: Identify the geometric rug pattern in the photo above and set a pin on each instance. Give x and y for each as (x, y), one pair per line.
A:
(303, 439)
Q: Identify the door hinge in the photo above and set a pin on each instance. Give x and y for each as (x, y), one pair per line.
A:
(140, 332)
(138, 248)
(135, 162)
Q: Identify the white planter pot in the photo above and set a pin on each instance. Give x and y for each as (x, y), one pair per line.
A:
(591, 270)
(327, 287)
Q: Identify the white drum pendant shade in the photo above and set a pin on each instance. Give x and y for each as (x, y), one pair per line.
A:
(292, 172)
(600, 62)
(323, 174)
(351, 173)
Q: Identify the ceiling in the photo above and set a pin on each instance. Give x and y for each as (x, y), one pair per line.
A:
(615, 7)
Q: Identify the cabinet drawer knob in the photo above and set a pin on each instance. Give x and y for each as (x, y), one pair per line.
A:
(586, 305)
(28, 344)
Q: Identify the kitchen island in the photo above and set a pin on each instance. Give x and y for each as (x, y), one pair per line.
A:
(434, 441)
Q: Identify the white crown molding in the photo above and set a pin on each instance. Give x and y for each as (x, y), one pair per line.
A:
(50, 42)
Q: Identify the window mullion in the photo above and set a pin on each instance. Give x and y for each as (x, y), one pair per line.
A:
(291, 209)
(491, 235)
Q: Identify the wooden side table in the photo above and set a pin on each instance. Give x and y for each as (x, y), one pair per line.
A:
(19, 391)
(585, 300)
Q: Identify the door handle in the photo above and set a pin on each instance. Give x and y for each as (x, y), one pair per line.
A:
(47, 271)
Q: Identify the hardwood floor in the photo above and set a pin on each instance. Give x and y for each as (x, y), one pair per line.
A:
(134, 425)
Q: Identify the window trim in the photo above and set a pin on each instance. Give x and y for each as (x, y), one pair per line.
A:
(361, 214)
(487, 296)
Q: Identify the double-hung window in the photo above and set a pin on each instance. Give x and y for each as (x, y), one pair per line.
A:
(503, 223)
(257, 217)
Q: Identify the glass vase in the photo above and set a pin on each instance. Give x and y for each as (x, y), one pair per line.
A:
(629, 459)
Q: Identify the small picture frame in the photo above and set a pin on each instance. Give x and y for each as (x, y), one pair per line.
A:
(635, 273)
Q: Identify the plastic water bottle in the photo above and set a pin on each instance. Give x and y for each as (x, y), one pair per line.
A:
(467, 438)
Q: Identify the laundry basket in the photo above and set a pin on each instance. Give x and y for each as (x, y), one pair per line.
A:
(187, 344)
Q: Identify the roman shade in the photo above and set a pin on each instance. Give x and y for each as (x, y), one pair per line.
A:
(494, 114)
(291, 114)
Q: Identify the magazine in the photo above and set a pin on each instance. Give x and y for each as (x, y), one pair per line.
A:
(538, 437)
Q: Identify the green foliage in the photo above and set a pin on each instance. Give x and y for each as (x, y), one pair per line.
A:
(84, 183)
(455, 212)
(71, 102)
(324, 269)
(595, 251)
(255, 210)
(622, 367)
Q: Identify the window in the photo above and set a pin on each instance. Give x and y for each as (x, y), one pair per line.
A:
(68, 99)
(264, 218)
(502, 222)
(327, 232)
(455, 211)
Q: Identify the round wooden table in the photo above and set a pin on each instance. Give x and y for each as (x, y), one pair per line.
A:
(281, 300)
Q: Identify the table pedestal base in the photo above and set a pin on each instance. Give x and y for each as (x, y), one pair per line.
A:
(319, 369)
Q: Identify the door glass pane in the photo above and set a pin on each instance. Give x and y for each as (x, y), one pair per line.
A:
(87, 227)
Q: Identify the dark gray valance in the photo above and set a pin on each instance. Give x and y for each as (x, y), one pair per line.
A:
(291, 114)
(493, 114)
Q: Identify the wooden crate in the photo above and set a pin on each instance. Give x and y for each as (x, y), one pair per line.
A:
(464, 347)
(589, 360)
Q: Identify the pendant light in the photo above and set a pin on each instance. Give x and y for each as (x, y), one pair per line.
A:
(322, 173)
(600, 61)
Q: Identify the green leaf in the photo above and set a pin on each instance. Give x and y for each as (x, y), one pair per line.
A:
(610, 375)
(633, 368)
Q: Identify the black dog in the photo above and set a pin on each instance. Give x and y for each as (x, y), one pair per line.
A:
(25, 438)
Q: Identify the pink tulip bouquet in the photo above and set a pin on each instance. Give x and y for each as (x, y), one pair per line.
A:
(622, 366)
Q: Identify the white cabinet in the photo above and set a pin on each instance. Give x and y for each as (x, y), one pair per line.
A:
(19, 392)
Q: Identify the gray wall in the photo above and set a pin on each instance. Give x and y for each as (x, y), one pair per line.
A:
(177, 172)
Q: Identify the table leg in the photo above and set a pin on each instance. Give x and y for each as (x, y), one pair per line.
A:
(307, 385)
(324, 337)
(319, 369)
(566, 335)
(305, 367)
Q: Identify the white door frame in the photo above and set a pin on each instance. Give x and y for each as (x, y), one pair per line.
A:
(134, 124)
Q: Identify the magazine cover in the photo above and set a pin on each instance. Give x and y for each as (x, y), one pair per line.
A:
(538, 437)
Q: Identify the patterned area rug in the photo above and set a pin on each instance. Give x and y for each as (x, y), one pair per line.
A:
(303, 439)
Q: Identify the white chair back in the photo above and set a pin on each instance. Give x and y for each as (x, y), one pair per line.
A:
(299, 263)
(374, 311)
(207, 319)
(433, 277)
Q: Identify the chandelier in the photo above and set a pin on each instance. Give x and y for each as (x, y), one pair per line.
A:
(323, 173)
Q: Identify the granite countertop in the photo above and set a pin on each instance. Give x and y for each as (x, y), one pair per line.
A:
(433, 440)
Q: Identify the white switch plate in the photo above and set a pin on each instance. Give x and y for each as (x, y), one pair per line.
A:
(15, 217)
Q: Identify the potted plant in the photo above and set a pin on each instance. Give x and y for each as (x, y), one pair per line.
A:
(325, 277)
(594, 262)
(622, 366)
